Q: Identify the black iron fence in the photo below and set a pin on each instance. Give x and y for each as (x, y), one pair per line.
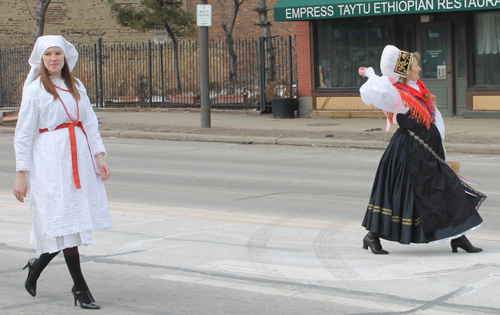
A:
(144, 75)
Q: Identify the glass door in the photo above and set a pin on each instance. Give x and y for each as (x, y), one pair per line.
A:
(460, 69)
(433, 43)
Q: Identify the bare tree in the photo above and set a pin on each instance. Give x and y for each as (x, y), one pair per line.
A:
(265, 26)
(41, 9)
(228, 27)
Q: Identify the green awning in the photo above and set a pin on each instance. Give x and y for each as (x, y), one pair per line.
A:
(297, 10)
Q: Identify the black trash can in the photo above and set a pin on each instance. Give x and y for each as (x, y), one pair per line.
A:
(284, 107)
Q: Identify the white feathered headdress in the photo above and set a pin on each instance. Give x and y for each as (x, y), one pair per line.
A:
(395, 63)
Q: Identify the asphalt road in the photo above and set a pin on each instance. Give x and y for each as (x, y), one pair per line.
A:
(211, 228)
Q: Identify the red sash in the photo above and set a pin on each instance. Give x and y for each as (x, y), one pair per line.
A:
(74, 155)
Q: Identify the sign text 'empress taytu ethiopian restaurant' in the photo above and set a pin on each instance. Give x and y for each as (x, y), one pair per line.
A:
(457, 40)
(364, 8)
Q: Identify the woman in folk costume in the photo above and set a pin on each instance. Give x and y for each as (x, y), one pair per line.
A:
(416, 196)
(58, 142)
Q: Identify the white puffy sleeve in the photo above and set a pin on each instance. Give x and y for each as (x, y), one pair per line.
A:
(90, 122)
(379, 92)
(439, 122)
(26, 128)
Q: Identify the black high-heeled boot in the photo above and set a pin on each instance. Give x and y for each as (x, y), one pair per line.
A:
(30, 283)
(85, 298)
(464, 244)
(373, 241)
(35, 267)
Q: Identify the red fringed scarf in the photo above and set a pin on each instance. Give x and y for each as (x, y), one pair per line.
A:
(421, 104)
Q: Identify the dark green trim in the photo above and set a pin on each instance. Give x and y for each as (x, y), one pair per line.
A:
(300, 10)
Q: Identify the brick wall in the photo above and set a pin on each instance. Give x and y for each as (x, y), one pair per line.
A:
(83, 21)
(304, 67)
(222, 10)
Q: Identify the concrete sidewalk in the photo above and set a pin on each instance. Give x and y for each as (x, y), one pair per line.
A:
(462, 135)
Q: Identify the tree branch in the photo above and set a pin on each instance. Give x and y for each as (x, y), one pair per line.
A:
(237, 5)
(29, 10)
(260, 10)
(224, 27)
(264, 24)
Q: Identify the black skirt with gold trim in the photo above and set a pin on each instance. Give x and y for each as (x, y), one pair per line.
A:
(415, 198)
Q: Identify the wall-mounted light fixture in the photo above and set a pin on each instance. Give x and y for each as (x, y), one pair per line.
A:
(426, 18)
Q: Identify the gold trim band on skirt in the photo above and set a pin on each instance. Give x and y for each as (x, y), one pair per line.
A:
(396, 219)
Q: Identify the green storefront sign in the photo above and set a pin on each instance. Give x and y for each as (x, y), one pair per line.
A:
(296, 10)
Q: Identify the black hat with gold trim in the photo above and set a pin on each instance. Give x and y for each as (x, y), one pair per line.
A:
(395, 62)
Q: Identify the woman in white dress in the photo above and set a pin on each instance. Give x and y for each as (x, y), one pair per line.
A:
(58, 142)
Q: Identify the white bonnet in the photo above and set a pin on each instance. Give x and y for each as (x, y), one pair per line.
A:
(42, 44)
(395, 63)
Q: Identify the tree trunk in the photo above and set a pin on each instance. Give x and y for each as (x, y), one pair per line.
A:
(177, 72)
(233, 73)
(176, 65)
(270, 56)
(41, 8)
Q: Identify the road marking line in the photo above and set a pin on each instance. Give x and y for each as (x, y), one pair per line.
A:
(289, 293)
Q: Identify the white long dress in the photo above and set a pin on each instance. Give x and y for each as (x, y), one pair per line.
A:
(62, 216)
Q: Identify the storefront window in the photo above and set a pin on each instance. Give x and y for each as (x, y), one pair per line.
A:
(433, 53)
(487, 50)
(343, 46)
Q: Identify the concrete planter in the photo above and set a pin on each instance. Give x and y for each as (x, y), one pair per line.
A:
(184, 99)
(129, 99)
(232, 99)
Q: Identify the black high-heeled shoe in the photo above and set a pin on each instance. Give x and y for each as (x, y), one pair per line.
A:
(29, 284)
(85, 298)
(464, 244)
(373, 241)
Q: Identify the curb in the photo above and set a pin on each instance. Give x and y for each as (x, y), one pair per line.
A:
(377, 145)
(186, 137)
(244, 140)
(472, 148)
(374, 145)
(7, 130)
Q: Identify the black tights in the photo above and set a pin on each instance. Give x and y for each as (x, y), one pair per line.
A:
(72, 257)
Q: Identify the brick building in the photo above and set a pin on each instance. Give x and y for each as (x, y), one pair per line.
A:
(83, 21)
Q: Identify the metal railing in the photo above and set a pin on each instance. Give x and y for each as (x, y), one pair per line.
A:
(143, 75)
